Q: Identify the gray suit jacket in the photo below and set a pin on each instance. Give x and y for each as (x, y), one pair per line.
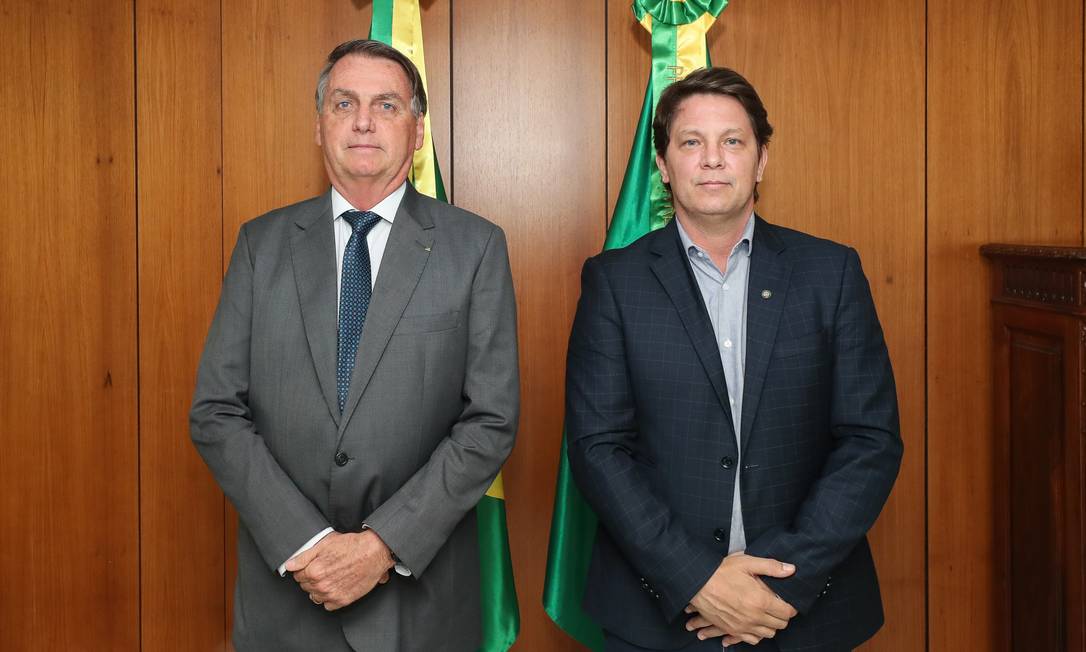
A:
(429, 420)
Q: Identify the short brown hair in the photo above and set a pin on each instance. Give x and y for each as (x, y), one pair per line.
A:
(710, 81)
(375, 50)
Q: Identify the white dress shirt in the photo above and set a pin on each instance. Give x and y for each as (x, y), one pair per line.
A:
(376, 240)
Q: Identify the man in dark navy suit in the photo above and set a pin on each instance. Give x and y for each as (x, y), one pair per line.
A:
(731, 409)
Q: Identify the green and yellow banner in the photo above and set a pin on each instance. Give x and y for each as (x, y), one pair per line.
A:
(399, 23)
(678, 31)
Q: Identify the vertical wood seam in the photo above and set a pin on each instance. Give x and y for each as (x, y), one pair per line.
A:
(927, 314)
(607, 113)
(136, 261)
(222, 259)
(451, 190)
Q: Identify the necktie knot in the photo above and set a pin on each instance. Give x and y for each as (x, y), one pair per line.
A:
(361, 221)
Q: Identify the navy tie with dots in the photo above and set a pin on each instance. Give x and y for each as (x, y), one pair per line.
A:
(354, 297)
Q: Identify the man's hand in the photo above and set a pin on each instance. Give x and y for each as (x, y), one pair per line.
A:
(737, 604)
(342, 568)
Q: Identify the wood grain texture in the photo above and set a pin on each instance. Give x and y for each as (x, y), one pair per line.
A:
(528, 128)
(69, 525)
(272, 53)
(1042, 355)
(179, 148)
(546, 97)
(844, 87)
(1004, 164)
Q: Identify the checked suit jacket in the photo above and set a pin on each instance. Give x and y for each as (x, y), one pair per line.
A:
(653, 449)
(429, 419)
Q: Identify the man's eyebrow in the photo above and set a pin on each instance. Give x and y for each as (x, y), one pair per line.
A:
(694, 129)
(390, 95)
(345, 92)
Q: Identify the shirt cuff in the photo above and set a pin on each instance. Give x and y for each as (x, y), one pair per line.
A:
(308, 544)
(400, 568)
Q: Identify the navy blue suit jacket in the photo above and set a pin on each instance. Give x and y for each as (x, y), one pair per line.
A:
(653, 449)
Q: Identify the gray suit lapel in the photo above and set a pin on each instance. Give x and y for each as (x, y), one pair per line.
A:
(405, 256)
(313, 250)
(769, 270)
(673, 271)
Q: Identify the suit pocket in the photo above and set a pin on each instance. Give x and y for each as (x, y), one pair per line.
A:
(411, 324)
(804, 344)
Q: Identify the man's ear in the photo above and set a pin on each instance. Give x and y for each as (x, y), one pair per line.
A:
(420, 131)
(661, 165)
(763, 158)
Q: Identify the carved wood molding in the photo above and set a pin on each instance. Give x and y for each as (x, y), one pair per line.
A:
(1040, 275)
(997, 250)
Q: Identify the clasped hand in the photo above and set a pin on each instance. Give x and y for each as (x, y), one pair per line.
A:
(735, 603)
(342, 567)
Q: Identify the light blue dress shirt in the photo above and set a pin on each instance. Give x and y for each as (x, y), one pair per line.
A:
(725, 296)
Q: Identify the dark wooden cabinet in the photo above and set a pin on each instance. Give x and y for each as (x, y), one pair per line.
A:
(1039, 322)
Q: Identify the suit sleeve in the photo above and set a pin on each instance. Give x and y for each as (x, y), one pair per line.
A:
(417, 520)
(857, 476)
(279, 517)
(602, 431)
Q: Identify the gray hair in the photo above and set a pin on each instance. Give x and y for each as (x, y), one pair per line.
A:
(375, 50)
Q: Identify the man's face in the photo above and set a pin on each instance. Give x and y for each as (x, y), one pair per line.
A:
(712, 160)
(366, 128)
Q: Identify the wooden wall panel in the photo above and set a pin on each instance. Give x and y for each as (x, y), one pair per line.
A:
(913, 136)
(844, 86)
(528, 87)
(1004, 93)
(69, 525)
(179, 146)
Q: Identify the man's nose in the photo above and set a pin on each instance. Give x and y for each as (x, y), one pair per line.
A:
(363, 119)
(713, 157)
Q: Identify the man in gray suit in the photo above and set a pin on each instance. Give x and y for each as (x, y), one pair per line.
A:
(358, 390)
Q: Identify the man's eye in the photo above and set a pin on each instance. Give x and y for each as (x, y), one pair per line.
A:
(343, 104)
(690, 142)
(732, 141)
(388, 106)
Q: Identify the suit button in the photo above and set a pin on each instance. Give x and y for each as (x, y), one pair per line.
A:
(719, 534)
(342, 459)
(727, 462)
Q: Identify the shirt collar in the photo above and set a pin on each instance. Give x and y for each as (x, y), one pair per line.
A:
(386, 208)
(742, 247)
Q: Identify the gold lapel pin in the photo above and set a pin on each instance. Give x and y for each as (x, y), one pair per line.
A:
(766, 294)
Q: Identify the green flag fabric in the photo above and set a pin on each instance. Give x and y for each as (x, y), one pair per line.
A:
(678, 48)
(399, 24)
